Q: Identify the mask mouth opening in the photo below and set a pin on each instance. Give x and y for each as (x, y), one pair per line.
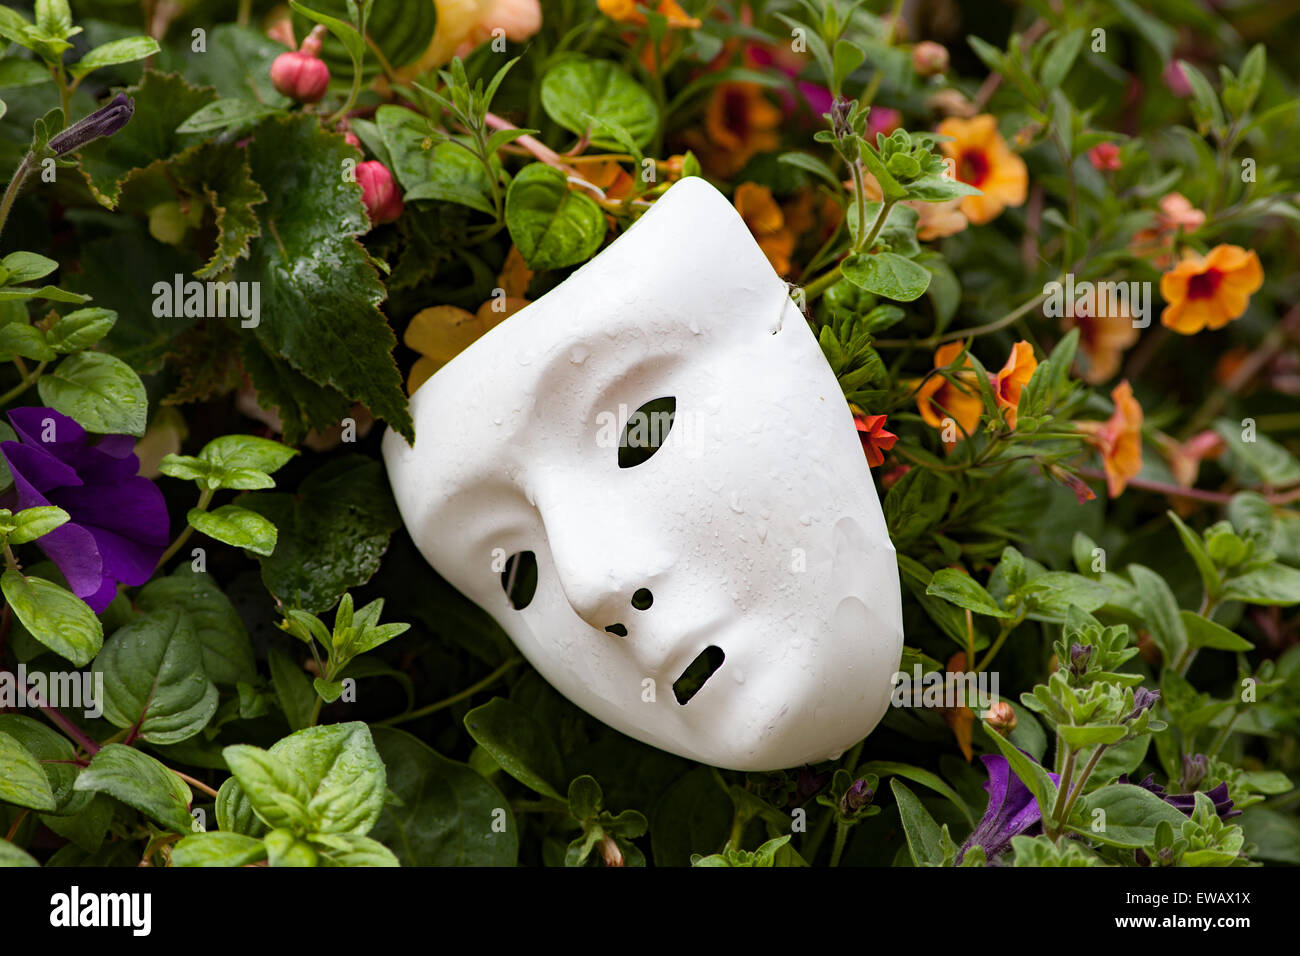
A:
(617, 629)
(697, 673)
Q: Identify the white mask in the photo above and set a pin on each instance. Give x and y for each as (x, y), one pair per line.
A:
(754, 526)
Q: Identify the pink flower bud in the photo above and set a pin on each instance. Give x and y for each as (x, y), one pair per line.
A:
(1001, 717)
(379, 192)
(1176, 79)
(929, 58)
(300, 76)
(351, 139)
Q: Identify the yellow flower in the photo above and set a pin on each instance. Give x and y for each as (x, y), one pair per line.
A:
(940, 399)
(767, 223)
(463, 24)
(1210, 291)
(984, 160)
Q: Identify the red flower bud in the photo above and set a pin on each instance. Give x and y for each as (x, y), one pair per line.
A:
(300, 76)
(378, 191)
(351, 139)
(1104, 157)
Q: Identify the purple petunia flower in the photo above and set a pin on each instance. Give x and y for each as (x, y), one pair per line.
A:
(1186, 802)
(1012, 810)
(118, 525)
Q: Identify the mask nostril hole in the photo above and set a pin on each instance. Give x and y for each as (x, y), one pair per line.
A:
(642, 599)
(519, 579)
(618, 629)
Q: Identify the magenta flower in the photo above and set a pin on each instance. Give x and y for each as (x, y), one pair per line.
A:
(118, 529)
(1012, 810)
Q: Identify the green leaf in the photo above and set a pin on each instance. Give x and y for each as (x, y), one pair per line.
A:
(275, 790)
(519, 743)
(218, 849)
(99, 391)
(810, 163)
(54, 755)
(33, 523)
(1132, 814)
(162, 102)
(578, 87)
(219, 172)
(1260, 461)
(20, 267)
(139, 781)
(1205, 103)
(10, 855)
(330, 778)
(217, 626)
(15, 73)
(317, 280)
(22, 781)
(924, 840)
(964, 591)
(345, 32)
(332, 532)
(54, 616)
(1200, 557)
(402, 31)
(1057, 64)
(1033, 775)
(915, 503)
(80, 329)
(1202, 632)
(349, 849)
(1159, 35)
(1274, 584)
(19, 338)
(446, 171)
(235, 526)
(1162, 617)
(227, 112)
(926, 778)
(1091, 735)
(552, 226)
(154, 680)
(887, 274)
(448, 815)
(126, 50)
(17, 293)
(235, 812)
(297, 697)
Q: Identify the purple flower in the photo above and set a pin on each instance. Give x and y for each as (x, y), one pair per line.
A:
(1012, 810)
(118, 525)
(105, 121)
(1186, 802)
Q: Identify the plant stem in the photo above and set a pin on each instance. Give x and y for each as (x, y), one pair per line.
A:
(1011, 317)
(204, 500)
(454, 698)
(28, 381)
(841, 838)
(15, 184)
(1083, 778)
(197, 784)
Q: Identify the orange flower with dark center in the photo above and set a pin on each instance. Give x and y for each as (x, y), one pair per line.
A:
(982, 159)
(1013, 377)
(940, 400)
(1119, 439)
(625, 11)
(875, 440)
(1102, 341)
(1210, 292)
(767, 224)
(740, 121)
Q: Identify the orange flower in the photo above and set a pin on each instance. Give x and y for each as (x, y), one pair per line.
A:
(1013, 377)
(875, 440)
(940, 399)
(767, 223)
(1210, 291)
(983, 160)
(1119, 439)
(625, 11)
(740, 122)
(1185, 457)
(1102, 340)
(612, 178)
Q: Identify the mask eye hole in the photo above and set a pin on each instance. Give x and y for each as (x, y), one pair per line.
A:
(642, 599)
(519, 579)
(646, 430)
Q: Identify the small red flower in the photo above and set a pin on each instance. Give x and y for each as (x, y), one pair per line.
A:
(300, 76)
(1104, 157)
(379, 192)
(875, 440)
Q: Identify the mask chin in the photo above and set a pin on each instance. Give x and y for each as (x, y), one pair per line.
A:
(650, 478)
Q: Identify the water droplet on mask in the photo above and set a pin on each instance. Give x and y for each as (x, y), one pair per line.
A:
(805, 519)
(738, 676)
(762, 532)
(736, 506)
(578, 354)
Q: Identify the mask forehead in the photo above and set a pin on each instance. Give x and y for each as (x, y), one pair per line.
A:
(755, 524)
